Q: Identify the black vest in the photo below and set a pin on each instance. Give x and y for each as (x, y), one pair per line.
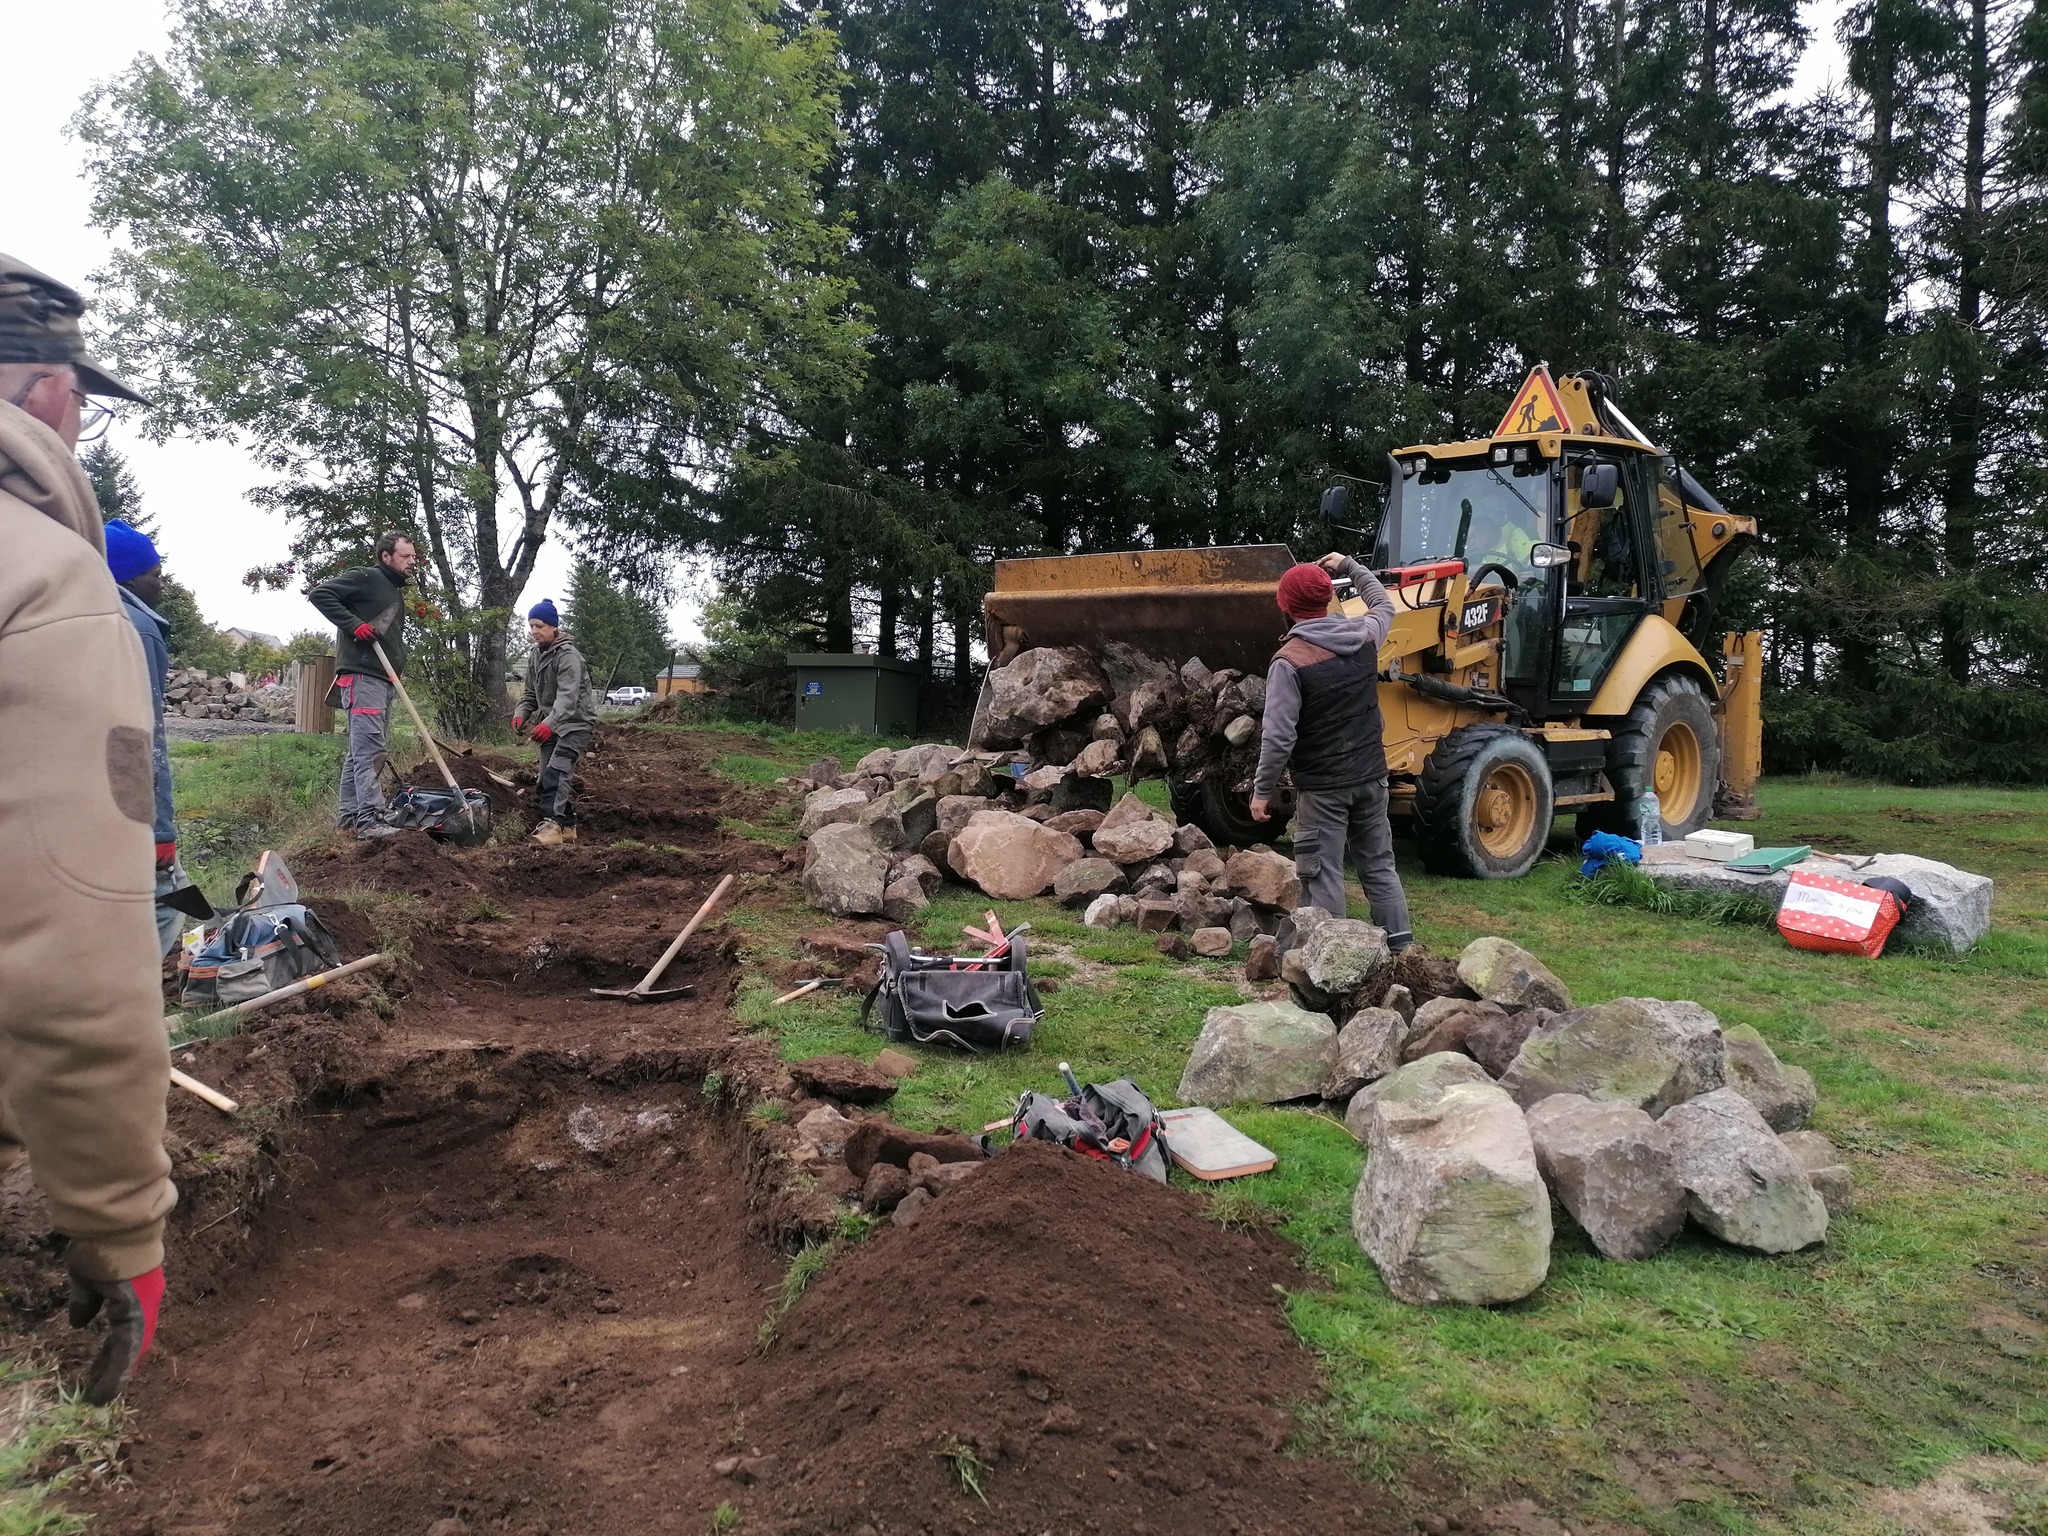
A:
(1339, 740)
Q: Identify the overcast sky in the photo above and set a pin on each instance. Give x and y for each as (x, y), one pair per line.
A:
(197, 490)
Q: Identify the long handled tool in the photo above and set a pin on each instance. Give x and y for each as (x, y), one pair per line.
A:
(291, 989)
(213, 1096)
(645, 991)
(476, 834)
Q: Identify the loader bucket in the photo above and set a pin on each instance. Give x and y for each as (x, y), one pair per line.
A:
(1172, 604)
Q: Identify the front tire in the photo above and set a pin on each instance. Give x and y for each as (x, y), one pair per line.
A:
(1483, 804)
(1225, 816)
(1668, 742)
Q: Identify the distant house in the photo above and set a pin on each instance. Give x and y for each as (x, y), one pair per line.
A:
(685, 677)
(241, 637)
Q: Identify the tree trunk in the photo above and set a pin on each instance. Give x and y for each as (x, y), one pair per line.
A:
(1965, 410)
(890, 612)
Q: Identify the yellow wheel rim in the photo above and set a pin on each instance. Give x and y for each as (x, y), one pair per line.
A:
(1504, 810)
(1676, 775)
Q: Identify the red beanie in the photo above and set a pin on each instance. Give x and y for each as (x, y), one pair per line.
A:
(1305, 592)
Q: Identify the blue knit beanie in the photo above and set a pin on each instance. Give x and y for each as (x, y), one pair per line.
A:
(544, 610)
(129, 554)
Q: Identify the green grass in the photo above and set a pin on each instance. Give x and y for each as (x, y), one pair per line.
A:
(1918, 1335)
(47, 1441)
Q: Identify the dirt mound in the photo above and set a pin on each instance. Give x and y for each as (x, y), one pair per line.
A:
(1110, 1358)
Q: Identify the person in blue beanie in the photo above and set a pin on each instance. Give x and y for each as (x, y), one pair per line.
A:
(139, 574)
(562, 707)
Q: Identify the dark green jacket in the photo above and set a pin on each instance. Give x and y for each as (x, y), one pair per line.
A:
(558, 688)
(365, 595)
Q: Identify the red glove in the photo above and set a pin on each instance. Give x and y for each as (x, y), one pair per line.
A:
(166, 855)
(543, 732)
(366, 632)
(131, 1307)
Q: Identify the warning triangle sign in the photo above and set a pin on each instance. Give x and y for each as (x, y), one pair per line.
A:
(1536, 408)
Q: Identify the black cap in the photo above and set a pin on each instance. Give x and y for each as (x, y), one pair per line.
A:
(39, 324)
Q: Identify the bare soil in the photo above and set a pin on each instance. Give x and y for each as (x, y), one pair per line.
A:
(485, 1250)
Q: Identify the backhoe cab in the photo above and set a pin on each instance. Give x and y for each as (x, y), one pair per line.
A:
(1555, 586)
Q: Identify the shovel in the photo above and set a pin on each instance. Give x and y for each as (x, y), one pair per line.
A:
(644, 992)
(477, 831)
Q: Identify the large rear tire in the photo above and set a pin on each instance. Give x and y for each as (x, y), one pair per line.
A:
(1668, 742)
(1483, 804)
(1226, 817)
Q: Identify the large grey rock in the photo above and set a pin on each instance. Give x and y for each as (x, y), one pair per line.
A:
(915, 866)
(1341, 955)
(844, 872)
(1011, 857)
(1610, 1166)
(829, 807)
(1039, 688)
(1451, 1029)
(1495, 1039)
(1264, 877)
(903, 899)
(1451, 1207)
(1783, 1095)
(1099, 759)
(1741, 1183)
(1259, 1053)
(1368, 1048)
(1103, 912)
(1823, 1166)
(1633, 1050)
(1133, 842)
(1508, 974)
(1085, 879)
(918, 809)
(1131, 809)
(884, 823)
(1953, 906)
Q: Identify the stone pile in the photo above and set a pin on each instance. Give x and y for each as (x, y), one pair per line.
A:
(1096, 713)
(881, 838)
(198, 696)
(1485, 1105)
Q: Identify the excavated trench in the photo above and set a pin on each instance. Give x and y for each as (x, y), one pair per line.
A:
(490, 1254)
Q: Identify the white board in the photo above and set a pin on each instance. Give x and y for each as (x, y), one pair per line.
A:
(1210, 1147)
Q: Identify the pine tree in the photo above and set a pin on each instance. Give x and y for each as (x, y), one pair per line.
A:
(621, 632)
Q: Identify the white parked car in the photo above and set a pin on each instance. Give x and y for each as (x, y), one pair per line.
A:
(632, 697)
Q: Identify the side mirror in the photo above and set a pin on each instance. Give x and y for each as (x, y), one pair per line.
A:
(1599, 484)
(1547, 556)
(1336, 503)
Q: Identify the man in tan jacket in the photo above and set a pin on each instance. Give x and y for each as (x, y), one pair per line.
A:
(83, 1061)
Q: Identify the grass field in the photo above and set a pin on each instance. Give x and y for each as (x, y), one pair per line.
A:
(1706, 1389)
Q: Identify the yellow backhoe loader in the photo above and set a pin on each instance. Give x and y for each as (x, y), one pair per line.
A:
(1553, 647)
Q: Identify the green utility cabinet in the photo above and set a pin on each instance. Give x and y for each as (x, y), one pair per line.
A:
(871, 695)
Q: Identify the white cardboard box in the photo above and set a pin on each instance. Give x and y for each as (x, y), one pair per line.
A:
(1712, 843)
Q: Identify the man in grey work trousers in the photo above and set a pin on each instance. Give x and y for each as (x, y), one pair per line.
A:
(1323, 722)
(367, 608)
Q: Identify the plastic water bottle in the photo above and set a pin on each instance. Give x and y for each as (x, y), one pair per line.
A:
(1649, 820)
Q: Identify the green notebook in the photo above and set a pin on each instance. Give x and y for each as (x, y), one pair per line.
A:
(1768, 860)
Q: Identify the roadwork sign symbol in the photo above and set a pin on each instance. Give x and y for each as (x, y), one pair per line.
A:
(1536, 408)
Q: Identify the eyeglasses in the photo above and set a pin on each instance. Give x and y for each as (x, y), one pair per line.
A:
(93, 418)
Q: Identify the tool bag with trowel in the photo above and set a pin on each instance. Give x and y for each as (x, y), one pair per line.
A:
(269, 941)
(1110, 1122)
(975, 1003)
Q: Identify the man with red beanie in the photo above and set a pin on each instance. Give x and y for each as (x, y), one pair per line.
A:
(1323, 722)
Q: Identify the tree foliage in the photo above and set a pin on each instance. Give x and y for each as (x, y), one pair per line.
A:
(473, 267)
(622, 632)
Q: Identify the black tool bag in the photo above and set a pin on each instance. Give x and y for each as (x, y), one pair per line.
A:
(464, 820)
(1111, 1122)
(254, 951)
(938, 1000)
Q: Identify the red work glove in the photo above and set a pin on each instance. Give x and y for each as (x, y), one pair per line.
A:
(366, 632)
(131, 1307)
(166, 855)
(543, 732)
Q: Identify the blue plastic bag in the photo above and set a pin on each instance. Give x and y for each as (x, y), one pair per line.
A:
(1602, 848)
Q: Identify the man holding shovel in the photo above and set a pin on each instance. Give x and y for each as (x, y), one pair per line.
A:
(563, 708)
(367, 608)
(84, 1064)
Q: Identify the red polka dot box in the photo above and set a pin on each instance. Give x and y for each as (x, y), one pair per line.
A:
(1836, 916)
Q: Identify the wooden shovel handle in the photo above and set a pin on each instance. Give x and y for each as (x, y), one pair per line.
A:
(647, 982)
(418, 724)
